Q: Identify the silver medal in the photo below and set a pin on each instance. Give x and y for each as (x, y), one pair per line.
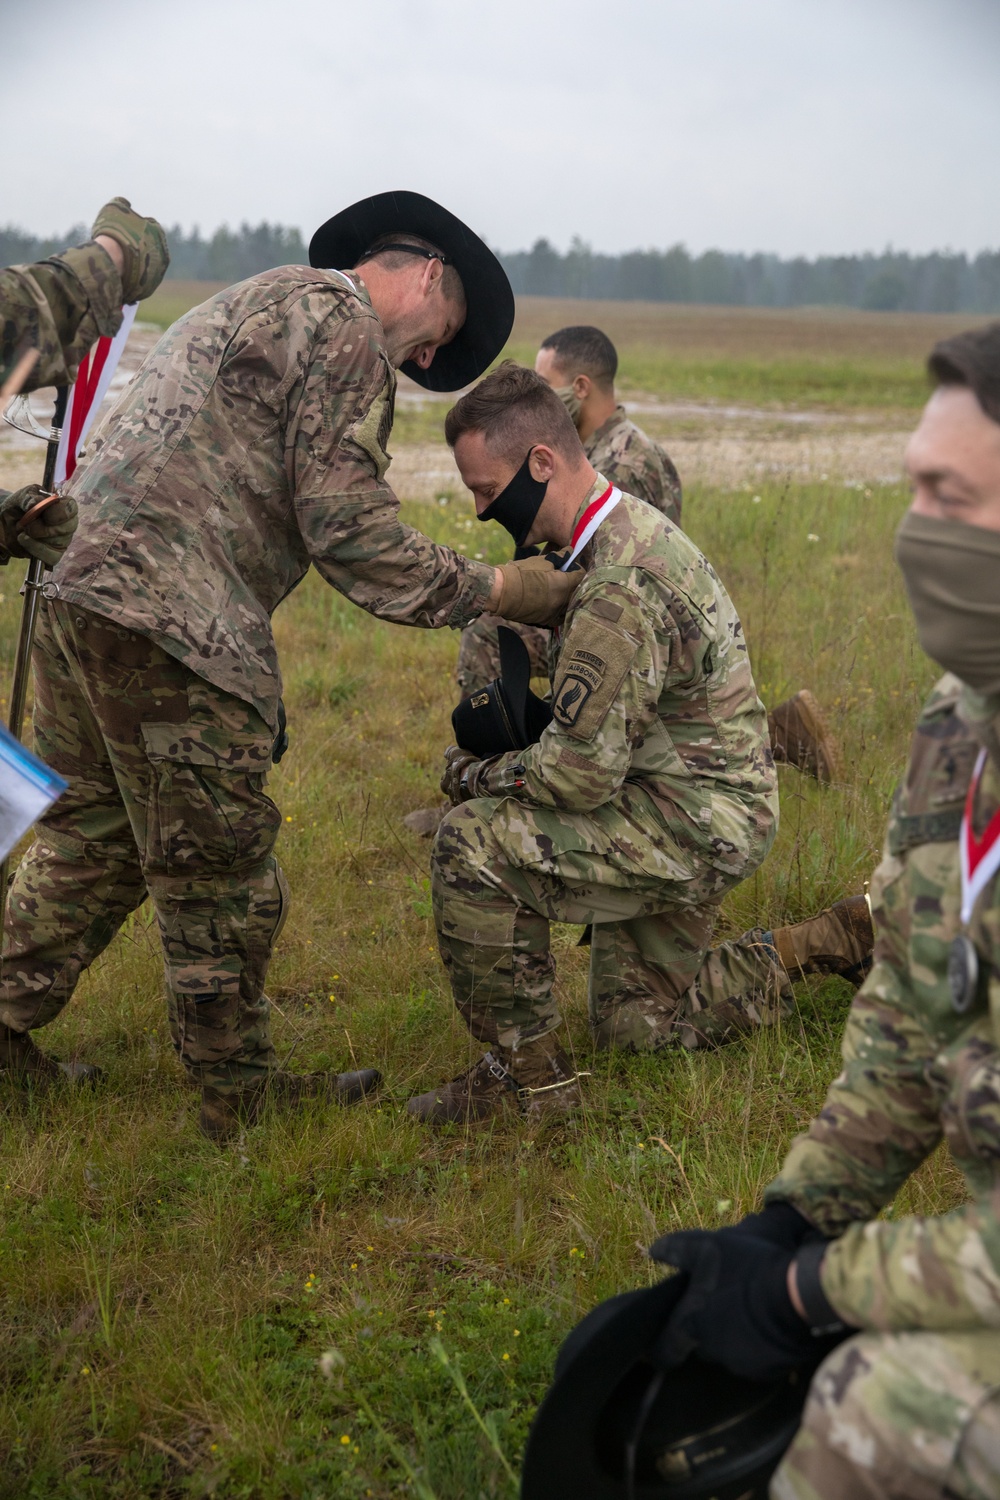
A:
(963, 973)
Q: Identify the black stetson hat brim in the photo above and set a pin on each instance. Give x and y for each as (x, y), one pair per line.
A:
(341, 242)
(506, 714)
(702, 1432)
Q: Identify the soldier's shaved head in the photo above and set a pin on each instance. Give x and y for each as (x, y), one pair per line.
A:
(514, 409)
(583, 350)
(386, 251)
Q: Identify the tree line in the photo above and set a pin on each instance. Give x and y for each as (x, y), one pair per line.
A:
(227, 255)
(893, 281)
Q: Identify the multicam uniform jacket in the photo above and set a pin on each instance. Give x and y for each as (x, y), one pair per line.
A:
(637, 464)
(915, 1070)
(60, 307)
(653, 688)
(251, 444)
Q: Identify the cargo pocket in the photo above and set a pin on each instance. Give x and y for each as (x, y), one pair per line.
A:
(206, 810)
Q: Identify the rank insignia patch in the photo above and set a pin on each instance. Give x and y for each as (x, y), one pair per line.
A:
(573, 694)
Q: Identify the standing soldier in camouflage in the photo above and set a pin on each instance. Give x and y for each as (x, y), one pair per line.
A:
(59, 308)
(251, 444)
(650, 794)
(908, 1408)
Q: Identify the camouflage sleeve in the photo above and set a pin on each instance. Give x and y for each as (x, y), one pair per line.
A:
(613, 665)
(879, 1121)
(60, 307)
(941, 1272)
(348, 515)
(882, 1114)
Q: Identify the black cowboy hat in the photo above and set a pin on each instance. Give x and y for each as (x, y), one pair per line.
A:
(506, 714)
(616, 1426)
(341, 242)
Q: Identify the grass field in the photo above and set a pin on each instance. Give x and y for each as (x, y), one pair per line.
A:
(346, 1305)
(802, 357)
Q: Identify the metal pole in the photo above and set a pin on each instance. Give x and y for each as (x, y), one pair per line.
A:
(29, 609)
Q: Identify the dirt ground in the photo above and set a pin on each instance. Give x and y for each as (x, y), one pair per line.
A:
(718, 446)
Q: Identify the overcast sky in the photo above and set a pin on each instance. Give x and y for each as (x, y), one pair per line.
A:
(799, 126)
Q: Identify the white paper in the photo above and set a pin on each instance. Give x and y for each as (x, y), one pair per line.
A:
(27, 788)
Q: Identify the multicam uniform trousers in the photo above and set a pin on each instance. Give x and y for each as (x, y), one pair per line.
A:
(165, 797)
(501, 871)
(900, 1416)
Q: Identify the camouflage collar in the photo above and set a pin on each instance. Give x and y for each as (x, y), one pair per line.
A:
(607, 427)
(982, 714)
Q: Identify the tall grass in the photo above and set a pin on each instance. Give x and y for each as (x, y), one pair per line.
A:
(345, 1304)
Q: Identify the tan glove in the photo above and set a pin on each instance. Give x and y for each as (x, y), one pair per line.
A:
(45, 535)
(464, 775)
(144, 246)
(534, 592)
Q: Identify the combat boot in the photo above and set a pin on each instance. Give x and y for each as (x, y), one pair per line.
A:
(224, 1113)
(27, 1065)
(839, 941)
(535, 1079)
(801, 737)
(548, 1083)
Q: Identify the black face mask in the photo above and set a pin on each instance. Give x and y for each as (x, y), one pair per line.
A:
(518, 503)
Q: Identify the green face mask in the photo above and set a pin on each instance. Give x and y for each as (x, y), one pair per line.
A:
(567, 395)
(952, 575)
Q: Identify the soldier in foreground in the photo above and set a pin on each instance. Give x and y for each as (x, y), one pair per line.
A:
(251, 444)
(908, 1407)
(650, 794)
(59, 308)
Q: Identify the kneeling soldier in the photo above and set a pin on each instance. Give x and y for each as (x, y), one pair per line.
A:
(580, 364)
(650, 794)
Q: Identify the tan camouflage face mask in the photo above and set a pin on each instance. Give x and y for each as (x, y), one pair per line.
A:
(952, 575)
(567, 395)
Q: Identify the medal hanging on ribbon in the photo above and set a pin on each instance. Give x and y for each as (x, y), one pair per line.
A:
(980, 861)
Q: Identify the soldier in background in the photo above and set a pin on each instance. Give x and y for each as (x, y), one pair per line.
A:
(580, 364)
(650, 794)
(908, 1407)
(60, 307)
(251, 444)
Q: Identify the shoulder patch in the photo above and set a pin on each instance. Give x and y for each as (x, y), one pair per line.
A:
(592, 667)
(607, 610)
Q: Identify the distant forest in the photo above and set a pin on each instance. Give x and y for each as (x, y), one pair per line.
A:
(890, 282)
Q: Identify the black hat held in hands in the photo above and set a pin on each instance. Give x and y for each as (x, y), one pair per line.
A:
(615, 1426)
(506, 715)
(341, 242)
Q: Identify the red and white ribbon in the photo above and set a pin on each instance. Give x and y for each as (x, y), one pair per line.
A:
(980, 856)
(596, 512)
(86, 394)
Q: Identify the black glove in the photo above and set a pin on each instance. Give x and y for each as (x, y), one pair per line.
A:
(779, 1224)
(737, 1311)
